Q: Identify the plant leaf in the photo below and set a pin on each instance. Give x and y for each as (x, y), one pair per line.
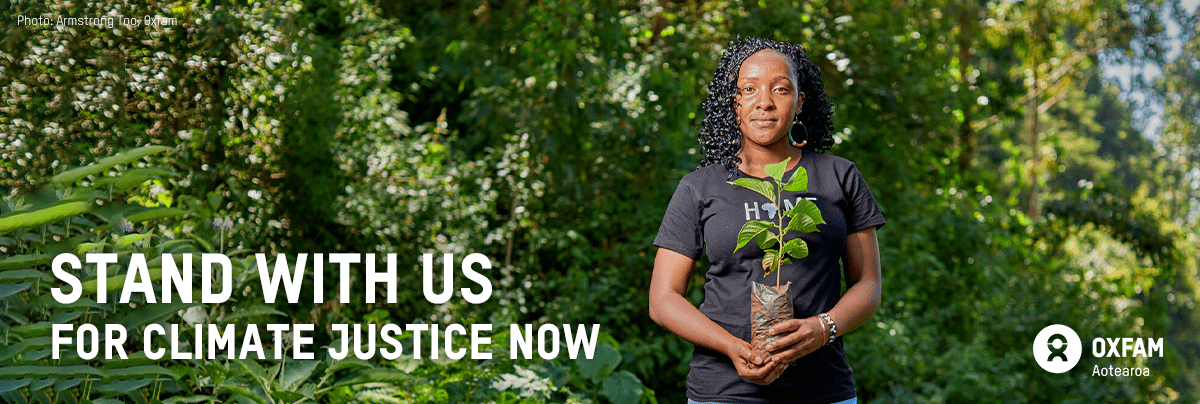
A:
(623, 388)
(766, 240)
(297, 372)
(602, 363)
(24, 275)
(770, 262)
(154, 214)
(43, 215)
(802, 223)
(236, 389)
(804, 209)
(150, 313)
(749, 231)
(254, 369)
(762, 187)
(19, 372)
(776, 170)
(85, 247)
(348, 362)
(798, 182)
(10, 385)
(796, 248)
(383, 375)
(70, 176)
(143, 371)
(126, 240)
(25, 260)
(9, 289)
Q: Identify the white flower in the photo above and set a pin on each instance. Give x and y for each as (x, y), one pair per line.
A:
(525, 382)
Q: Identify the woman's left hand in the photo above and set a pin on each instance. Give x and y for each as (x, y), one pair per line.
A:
(797, 337)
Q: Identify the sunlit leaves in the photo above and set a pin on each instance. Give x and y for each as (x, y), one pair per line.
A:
(750, 231)
(798, 182)
(762, 187)
(776, 170)
(802, 217)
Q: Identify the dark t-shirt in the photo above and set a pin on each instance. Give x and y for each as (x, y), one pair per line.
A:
(706, 214)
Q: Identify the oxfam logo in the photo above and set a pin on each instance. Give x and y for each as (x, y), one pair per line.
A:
(1057, 348)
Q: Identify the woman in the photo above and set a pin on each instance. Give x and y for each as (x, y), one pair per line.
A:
(767, 104)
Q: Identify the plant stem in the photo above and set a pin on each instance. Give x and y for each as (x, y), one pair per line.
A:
(779, 216)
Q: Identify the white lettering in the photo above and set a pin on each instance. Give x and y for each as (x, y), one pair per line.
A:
(173, 279)
(581, 338)
(447, 278)
(70, 280)
(137, 270)
(291, 279)
(521, 342)
(484, 283)
(751, 209)
(1156, 344)
(388, 278)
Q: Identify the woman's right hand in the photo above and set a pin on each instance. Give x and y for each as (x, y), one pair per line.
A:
(751, 366)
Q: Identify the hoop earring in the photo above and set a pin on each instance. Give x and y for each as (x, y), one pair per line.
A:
(791, 138)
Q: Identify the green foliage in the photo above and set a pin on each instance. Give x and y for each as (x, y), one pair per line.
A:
(803, 217)
(549, 136)
(79, 212)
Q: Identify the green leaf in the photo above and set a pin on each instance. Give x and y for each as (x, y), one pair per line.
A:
(384, 375)
(798, 182)
(776, 170)
(85, 247)
(770, 262)
(10, 385)
(796, 248)
(296, 372)
(623, 388)
(348, 362)
(805, 209)
(120, 386)
(144, 371)
(187, 400)
(762, 187)
(121, 183)
(253, 367)
(25, 275)
(749, 231)
(802, 223)
(70, 176)
(154, 214)
(606, 359)
(237, 389)
(25, 260)
(150, 313)
(14, 397)
(766, 240)
(9, 289)
(116, 282)
(108, 400)
(64, 384)
(41, 384)
(126, 240)
(43, 215)
(18, 372)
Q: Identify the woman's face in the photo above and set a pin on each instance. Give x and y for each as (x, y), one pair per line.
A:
(767, 98)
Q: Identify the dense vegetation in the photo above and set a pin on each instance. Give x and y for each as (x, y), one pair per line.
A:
(1018, 186)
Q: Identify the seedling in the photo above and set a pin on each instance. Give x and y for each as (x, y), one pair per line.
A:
(802, 217)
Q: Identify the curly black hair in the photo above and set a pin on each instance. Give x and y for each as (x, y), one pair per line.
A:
(719, 133)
